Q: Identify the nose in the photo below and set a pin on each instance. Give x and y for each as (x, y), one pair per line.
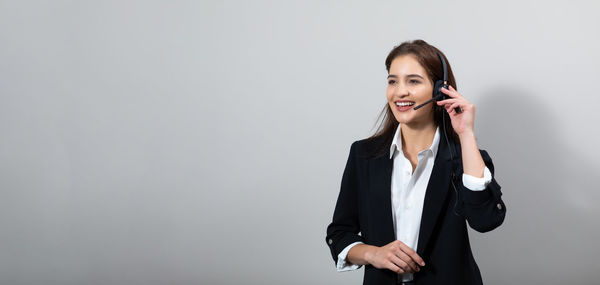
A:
(401, 90)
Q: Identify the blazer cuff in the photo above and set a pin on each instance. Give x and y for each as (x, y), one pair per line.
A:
(475, 183)
(337, 244)
(479, 197)
(342, 263)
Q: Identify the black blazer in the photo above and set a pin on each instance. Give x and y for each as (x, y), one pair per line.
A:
(363, 212)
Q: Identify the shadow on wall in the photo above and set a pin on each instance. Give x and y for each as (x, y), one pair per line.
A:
(551, 231)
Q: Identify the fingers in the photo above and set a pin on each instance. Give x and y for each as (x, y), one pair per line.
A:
(410, 252)
(401, 264)
(451, 108)
(398, 257)
(393, 267)
(450, 104)
(446, 101)
(451, 92)
(392, 262)
(452, 112)
(406, 262)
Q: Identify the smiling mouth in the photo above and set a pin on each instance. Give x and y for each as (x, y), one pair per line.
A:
(404, 104)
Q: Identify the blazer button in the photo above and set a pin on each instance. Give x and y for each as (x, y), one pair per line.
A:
(499, 206)
(330, 241)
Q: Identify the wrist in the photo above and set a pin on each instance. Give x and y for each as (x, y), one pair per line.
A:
(368, 254)
(469, 134)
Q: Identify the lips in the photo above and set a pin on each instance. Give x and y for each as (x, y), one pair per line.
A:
(404, 105)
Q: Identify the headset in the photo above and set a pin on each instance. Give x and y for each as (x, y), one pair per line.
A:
(437, 87)
(437, 96)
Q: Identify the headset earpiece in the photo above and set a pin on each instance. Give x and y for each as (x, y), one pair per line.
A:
(437, 92)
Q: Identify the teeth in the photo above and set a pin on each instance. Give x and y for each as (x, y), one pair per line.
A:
(402, 104)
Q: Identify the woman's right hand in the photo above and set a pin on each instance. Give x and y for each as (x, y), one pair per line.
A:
(395, 256)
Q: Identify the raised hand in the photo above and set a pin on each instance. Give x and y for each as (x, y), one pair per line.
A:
(461, 122)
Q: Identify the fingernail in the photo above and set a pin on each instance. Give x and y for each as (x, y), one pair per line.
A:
(422, 263)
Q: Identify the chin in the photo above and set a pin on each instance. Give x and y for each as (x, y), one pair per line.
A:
(404, 122)
(403, 118)
(410, 118)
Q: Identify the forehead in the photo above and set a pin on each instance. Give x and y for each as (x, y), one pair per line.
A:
(406, 64)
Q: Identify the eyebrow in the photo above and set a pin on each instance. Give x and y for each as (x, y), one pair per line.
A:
(409, 75)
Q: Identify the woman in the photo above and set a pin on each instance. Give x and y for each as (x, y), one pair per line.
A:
(408, 191)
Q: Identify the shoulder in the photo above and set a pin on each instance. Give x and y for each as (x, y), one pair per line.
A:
(371, 147)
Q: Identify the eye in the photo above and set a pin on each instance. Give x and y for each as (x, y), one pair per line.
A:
(391, 82)
(414, 81)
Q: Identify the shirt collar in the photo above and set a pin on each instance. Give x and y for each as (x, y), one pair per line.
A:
(397, 142)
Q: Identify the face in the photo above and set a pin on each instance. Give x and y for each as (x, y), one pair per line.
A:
(409, 86)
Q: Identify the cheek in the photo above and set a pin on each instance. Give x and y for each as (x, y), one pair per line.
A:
(425, 94)
(427, 111)
(389, 95)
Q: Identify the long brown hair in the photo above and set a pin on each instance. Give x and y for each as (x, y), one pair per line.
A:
(427, 56)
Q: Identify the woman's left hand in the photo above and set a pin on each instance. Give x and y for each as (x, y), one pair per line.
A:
(461, 122)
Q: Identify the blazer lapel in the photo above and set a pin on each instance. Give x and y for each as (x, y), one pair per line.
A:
(380, 185)
(435, 195)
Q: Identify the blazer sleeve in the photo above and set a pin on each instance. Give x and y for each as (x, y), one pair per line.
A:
(484, 210)
(344, 227)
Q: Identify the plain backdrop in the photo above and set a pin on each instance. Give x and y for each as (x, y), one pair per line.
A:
(203, 142)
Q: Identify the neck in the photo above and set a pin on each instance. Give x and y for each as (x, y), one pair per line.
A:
(416, 138)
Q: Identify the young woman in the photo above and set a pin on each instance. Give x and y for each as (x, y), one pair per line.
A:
(408, 191)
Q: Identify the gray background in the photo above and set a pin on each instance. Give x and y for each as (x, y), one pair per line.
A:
(195, 142)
